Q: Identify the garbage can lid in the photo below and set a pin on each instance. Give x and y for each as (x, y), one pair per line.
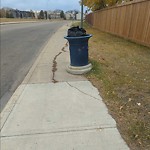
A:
(79, 37)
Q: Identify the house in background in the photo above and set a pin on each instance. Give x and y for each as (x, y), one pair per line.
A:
(15, 13)
(70, 16)
(73, 15)
(36, 14)
(78, 16)
(55, 14)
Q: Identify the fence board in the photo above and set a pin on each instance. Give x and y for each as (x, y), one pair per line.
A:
(131, 21)
(128, 18)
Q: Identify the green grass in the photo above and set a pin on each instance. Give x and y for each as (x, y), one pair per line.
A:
(96, 70)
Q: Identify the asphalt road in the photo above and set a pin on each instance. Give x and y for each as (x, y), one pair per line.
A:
(20, 45)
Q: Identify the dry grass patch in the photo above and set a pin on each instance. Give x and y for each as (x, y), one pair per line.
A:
(121, 72)
(16, 19)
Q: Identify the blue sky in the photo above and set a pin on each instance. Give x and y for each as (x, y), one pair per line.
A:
(41, 4)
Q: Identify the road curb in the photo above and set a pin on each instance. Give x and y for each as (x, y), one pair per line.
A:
(10, 105)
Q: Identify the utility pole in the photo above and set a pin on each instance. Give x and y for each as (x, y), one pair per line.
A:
(81, 13)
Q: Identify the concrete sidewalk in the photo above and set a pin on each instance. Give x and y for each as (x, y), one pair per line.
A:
(54, 110)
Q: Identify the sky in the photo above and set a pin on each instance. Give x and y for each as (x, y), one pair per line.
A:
(41, 4)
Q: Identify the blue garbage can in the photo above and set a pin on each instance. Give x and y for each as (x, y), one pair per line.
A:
(78, 47)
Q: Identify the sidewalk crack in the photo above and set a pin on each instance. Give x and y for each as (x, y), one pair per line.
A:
(58, 132)
(82, 91)
(54, 67)
(63, 49)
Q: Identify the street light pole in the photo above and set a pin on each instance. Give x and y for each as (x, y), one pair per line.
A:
(81, 13)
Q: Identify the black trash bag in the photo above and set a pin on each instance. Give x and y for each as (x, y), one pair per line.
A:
(76, 31)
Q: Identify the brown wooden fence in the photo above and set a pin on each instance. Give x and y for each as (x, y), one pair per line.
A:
(131, 21)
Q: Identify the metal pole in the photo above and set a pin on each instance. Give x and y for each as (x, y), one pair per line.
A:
(81, 13)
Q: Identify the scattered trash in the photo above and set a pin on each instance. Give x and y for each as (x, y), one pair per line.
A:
(129, 99)
(139, 104)
(121, 107)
